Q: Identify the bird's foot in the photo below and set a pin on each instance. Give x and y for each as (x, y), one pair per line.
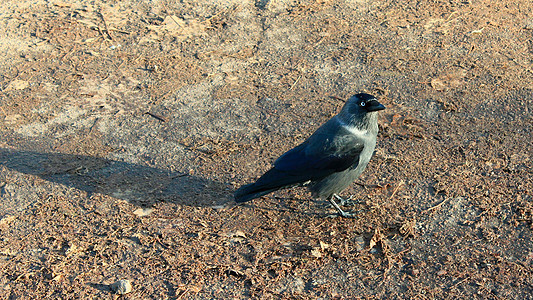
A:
(346, 202)
(342, 213)
(347, 214)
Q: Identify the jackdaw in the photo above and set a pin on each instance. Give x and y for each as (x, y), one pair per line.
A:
(330, 159)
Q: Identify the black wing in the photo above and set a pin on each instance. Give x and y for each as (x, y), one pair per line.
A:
(313, 160)
(301, 165)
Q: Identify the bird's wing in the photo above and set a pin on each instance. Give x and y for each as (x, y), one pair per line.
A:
(304, 163)
(323, 154)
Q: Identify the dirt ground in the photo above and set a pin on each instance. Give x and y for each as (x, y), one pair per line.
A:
(127, 125)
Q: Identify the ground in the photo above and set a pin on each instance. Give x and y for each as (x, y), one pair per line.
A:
(127, 125)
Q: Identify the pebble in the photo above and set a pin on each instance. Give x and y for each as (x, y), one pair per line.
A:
(359, 243)
(121, 287)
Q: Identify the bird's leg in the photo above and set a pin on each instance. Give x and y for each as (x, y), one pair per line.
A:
(341, 212)
(347, 201)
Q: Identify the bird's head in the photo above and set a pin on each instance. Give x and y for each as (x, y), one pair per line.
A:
(360, 109)
(363, 103)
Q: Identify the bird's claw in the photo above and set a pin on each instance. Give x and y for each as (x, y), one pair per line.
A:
(342, 213)
(347, 214)
(346, 202)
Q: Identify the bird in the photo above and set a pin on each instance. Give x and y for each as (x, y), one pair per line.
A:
(330, 160)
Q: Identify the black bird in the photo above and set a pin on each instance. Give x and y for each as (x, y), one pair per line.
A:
(330, 159)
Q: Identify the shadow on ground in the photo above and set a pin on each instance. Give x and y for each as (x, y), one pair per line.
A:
(140, 185)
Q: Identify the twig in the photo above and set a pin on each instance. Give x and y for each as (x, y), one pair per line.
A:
(160, 118)
(183, 294)
(5, 114)
(175, 21)
(337, 98)
(377, 186)
(101, 33)
(118, 30)
(436, 206)
(460, 281)
(396, 189)
(295, 82)
(105, 26)
(68, 53)
(91, 129)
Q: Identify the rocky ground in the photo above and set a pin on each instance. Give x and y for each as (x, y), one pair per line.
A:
(127, 125)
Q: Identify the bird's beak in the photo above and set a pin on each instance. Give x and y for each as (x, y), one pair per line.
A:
(374, 105)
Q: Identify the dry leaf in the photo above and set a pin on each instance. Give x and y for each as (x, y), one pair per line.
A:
(179, 28)
(142, 212)
(72, 250)
(376, 238)
(17, 85)
(57, 277)
(7, 219)
(12, 118)
(451, 79)
(324, 246)
(89, 40)
(408, 227)
(62, 4)
(316, 252)
(372, 243)
(8, 252)
(88, 23)
(239, 233)
(438, 84)
(236, 237)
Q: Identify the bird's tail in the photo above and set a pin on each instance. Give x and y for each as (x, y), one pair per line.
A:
(271, 181)
(251, 191)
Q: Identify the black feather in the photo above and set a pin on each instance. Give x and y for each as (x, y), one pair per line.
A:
(294, 168)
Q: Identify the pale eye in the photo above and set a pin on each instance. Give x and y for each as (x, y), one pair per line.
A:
(363, 103)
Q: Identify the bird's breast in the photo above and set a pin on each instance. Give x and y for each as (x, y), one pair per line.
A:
(356, 131)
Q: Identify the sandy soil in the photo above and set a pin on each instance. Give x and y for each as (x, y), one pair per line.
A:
(127, 125)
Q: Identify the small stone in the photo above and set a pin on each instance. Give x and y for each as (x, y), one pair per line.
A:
(359, 243)
(528, 24)
(121, 287)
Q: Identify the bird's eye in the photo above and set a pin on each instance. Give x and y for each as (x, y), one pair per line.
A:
(363, 103)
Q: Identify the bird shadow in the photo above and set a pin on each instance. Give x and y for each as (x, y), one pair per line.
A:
(140, 185)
